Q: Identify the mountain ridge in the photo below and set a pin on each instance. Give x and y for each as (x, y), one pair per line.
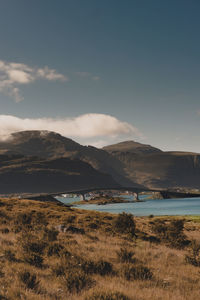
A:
(129, 163)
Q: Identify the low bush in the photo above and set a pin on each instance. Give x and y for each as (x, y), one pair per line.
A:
(193, 257)
(100, 267)
(26, 221)
(55, 249)
(58, 270)
(5, 230)
(171, 233)
(124, 255)
(29, 280)
(103, 268)
(70, 219)
(9, 255)
(107, 296)
(136, 272)
(50, 235)
(124, 223)
(36, 247)
(76, 282)
(34, 260)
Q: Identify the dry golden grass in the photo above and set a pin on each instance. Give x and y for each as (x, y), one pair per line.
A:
(79, 264)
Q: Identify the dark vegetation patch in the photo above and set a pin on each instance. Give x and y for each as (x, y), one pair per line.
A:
(29, 280)
(170, 232)
(193, 256)
(136, 272)
(125, 224)
(76, 282)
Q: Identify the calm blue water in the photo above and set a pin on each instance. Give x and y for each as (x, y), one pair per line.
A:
(172, 207)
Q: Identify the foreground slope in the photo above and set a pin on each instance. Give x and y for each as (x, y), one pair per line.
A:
(49, 251)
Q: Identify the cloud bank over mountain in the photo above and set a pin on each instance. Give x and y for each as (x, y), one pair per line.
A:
(12, 75)
(84, 126)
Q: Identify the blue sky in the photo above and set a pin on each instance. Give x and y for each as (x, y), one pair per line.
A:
(102, 71)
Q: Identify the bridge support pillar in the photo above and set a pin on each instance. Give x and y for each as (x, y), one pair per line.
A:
(136, 196)
(83, 197)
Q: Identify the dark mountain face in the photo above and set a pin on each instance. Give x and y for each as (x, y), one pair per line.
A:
(19, 174)
(162, 169)
(47, 144)
(129, 163)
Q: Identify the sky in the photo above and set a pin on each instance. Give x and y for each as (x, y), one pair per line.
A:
(102, 71)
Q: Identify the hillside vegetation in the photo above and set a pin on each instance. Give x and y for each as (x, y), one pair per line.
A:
(49, 251)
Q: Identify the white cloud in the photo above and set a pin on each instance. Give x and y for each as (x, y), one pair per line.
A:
(88, 126)
(12, 75)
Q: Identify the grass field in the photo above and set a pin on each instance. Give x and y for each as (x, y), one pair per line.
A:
(49, 251)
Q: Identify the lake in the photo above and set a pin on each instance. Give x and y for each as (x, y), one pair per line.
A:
(156, 207)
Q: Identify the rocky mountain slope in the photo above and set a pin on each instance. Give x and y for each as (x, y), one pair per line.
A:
(47, 145)
(20, 174)
(130, 164)
(154, 168)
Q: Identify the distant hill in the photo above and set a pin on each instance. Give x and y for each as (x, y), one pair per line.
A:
(129, 163)
(159, 169)
(132, 147)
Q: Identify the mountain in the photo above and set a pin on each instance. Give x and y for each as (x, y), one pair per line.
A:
(154, 168)
(131, 147)
(129, 164)
(20, 174)
(47, 144)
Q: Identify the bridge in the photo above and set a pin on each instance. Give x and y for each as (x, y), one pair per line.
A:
(165, 193)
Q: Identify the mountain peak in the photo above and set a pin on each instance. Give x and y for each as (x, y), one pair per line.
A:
(131, 146)
(42, 143)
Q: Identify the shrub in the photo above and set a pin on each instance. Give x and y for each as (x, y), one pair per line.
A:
(5, 230)
(171, 233)
(50, 234)
(151, 216)
(29, 280)
(3, 298)
(124, 255)
(35, 247)
(34, 259)
(54, 249)
(9, 255)
(124, 223)
(193, 257)
(107, 296)
(103, 268)
(70, 219)
(76, 282)
(22, 220)
(28, 220)
(58, 270)
(137, 272)
(100, 267)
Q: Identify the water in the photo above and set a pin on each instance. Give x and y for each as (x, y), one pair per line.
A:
(156, 207)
